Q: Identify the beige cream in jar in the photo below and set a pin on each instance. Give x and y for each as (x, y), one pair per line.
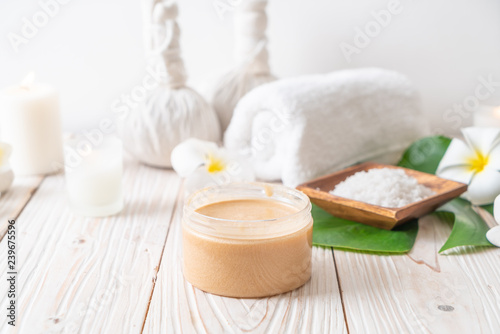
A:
(247, 239)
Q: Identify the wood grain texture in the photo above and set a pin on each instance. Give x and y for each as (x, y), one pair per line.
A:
(91, 275)
(178, 307)
(98, 275)
(422, 292)
(13, 201)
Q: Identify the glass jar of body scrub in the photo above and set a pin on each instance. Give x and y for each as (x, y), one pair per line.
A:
(247, 239)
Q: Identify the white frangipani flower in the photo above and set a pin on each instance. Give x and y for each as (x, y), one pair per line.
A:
(476, 162)
(204, 163)
(6, 174)
(493, 235)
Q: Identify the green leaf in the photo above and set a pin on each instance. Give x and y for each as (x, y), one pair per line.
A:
(425, 154)
(345, 234)
(488, 208)
(469, 229)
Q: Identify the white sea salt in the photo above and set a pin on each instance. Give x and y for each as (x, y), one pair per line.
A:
(386, 187)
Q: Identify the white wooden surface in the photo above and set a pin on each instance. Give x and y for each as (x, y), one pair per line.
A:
(177, 307)
(13, 201)
(122, 275)
(91, 275)
(422, 292)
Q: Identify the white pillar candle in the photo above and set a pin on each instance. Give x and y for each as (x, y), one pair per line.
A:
(94, 177)
(487, 117)
(30, 122)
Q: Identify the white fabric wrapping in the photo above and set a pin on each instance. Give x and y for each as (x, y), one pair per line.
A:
(162, 35)
(252, 70)
(301, 128)
(250, 41)
(172, 112)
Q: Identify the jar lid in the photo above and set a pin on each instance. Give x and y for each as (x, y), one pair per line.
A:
(247, 229)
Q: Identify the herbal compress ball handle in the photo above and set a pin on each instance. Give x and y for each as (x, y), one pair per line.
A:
(162, 37)
(250, 23)
(252, 70)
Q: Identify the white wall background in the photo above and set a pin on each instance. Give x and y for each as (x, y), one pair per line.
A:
(92, 50)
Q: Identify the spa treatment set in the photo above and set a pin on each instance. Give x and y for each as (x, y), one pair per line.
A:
(347, 155)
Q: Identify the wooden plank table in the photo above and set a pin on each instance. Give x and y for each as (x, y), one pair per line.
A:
(122, 274)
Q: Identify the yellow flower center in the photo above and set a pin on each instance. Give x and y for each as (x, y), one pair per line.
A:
(478, 162)
(215, 164)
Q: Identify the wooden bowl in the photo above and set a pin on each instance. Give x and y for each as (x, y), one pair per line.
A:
(374, 215)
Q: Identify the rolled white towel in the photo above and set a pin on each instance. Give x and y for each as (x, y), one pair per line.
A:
(300, 128)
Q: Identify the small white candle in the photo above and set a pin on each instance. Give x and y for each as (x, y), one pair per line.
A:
(30, 122)
(487, 117)
(94, 179)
